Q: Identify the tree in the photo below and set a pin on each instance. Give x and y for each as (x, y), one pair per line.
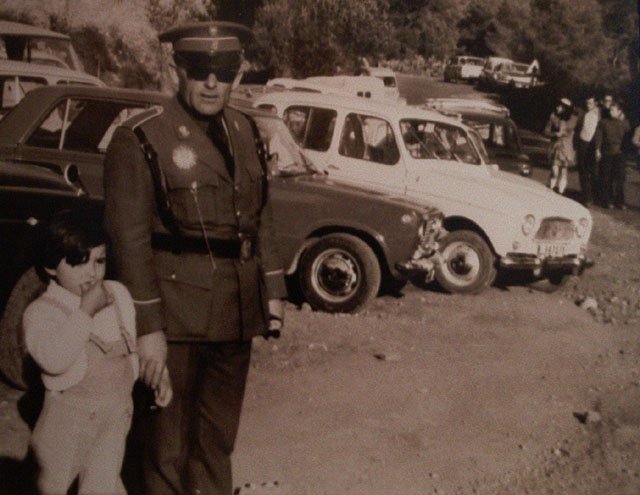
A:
(314, 37)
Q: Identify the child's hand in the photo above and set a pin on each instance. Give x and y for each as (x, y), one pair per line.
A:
(94, 298)
(164, 392)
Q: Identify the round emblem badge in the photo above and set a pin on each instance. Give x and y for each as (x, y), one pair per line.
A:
(184, 157)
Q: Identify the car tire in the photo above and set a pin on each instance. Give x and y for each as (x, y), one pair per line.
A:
(339, 274)
(468, 264)
(16, 366)
(551, 284)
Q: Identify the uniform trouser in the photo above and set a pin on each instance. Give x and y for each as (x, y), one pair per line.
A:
(587, 170)
(612, 177)
(191, 440)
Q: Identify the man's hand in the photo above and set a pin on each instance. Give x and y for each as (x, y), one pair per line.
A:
(598, 155)
(152, 350)
(276, 313)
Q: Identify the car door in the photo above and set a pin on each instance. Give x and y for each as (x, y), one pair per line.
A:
(367, 152)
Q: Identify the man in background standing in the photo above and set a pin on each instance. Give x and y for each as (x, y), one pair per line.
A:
(608, 139)
(585, 151)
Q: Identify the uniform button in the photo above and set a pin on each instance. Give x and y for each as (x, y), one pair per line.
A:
(238, 213)
(237, 188)
(173, 276)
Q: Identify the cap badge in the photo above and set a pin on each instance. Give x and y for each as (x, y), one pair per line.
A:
(214, 46)
(183, 132)
(213, 31)
(184, 157)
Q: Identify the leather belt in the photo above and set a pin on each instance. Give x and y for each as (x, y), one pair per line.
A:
(220, 248)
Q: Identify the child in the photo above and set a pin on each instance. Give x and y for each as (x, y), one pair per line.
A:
(81, 332)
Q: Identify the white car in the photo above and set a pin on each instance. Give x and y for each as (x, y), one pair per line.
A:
(494, 219)
(465, 68)
(387, 76)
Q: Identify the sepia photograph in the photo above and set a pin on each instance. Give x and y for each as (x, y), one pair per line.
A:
(319, 247)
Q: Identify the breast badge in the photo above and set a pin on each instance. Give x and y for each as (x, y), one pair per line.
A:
(184, 157)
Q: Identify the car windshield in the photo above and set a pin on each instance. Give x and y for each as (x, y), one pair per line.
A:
(479, 144)
(286, 158)
(441, 141)
(473, 61)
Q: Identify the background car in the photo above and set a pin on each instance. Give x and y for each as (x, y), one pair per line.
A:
(499, 133)
(339, 243)
(494, 219)
(463, 68)
(386, 75)
(18, 78)
(32, 44)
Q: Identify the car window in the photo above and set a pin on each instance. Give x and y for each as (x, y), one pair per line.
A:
(435, 140)
(83, 125)
(311, 127)
(14, 88)
(368, 138)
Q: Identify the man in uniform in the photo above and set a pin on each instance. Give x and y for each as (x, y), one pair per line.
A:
(189, 217)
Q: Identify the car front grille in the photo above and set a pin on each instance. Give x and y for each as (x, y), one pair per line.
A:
(556, 229)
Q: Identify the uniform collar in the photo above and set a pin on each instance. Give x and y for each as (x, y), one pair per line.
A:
(59, 293)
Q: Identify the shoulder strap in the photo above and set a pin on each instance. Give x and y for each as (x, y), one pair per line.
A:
(159, 186)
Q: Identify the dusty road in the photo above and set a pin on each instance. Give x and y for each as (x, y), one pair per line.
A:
(509, 392)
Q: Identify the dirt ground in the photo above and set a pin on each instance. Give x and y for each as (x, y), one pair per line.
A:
(513, 391)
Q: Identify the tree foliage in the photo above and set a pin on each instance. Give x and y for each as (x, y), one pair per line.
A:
(586, 43)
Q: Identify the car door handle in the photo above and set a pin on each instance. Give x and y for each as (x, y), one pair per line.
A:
(331, 166)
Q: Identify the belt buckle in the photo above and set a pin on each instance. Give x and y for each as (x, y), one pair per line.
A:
(245, 249)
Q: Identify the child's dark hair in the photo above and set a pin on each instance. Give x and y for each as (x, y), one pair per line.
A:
(69, 235)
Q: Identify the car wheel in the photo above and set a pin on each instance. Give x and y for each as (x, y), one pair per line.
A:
(339, 274)
(15, 365)
(551, 284)
(467, 263)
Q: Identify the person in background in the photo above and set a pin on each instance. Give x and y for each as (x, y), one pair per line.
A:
(188, 210)
(81, 332)
(585, 150)
(635, 140)
(609, 136)
(560, 128)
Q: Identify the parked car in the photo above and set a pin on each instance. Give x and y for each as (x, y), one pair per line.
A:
(386, 75)
(32, 44)
(339, 242)
(500, 73)
(18, 78)
(463, 68)
(499, 133)
(495, 219)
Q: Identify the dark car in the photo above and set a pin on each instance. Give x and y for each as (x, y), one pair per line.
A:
(338, 242)
(501, 138)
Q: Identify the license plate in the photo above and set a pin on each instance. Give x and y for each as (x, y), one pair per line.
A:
(551, 250)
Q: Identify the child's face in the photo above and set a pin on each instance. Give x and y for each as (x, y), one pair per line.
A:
(77, 279)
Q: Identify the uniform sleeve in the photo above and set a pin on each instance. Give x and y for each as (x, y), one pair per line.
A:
(269, 253)
(129, 213)
(54, 339)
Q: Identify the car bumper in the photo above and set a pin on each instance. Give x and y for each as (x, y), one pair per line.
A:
(574, 263)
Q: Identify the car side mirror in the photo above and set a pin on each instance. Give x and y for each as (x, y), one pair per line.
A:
(71, 175)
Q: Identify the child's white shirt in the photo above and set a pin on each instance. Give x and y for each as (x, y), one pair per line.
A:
(56, 335)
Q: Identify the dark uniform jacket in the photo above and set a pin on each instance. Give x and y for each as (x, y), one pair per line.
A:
(186, 292)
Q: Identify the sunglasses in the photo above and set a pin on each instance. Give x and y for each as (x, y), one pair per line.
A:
(201, 73)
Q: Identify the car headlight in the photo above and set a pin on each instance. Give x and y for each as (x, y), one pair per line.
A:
(582, 227)
(528, 224)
